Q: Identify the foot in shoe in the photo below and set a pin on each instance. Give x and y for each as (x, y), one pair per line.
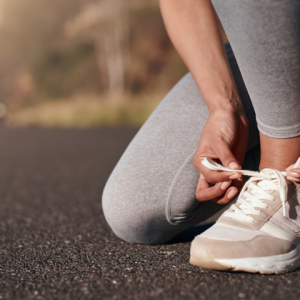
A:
(260, 232)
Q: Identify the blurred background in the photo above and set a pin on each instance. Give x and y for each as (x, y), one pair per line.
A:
(83, 63)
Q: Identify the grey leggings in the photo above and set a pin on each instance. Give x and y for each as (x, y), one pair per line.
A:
(150, 196)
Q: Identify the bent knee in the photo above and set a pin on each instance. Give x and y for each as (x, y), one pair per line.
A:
(132, 226)
(134, 221)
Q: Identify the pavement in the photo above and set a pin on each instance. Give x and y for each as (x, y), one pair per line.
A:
(55, 243)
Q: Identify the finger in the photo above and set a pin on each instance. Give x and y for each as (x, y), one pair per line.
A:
(205, 193)
(239, 183)
(227, 158)
(294, 174)
(227, 197)
(290, 167)
(218, 176)
(293, 179)
(213, 176)
(202, 183)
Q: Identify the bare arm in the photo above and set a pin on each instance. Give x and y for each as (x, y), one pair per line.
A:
(193, 28)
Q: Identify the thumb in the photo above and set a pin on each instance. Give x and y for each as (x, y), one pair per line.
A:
(227, 159)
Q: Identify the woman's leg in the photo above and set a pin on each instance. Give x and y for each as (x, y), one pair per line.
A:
(265, 37)
(150, 196)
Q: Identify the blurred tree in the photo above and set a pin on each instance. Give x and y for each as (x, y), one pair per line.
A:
(28, 30)
(106, 23)
(113, 46)
(2, 2)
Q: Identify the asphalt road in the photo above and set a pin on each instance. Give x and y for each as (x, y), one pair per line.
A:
(55, 244)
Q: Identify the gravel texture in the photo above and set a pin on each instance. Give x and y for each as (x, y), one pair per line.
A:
(55, 243)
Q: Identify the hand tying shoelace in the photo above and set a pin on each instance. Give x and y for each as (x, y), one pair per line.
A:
(254, 190)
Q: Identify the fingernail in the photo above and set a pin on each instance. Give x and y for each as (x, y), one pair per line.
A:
(234, 166)
(225, 185)
(293, 178)
(240, 179)
(235, 176)
(293, 174)
(231, 194)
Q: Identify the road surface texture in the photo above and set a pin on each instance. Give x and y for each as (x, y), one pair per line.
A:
(55, 243)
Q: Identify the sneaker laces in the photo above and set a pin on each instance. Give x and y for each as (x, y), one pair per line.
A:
(256, 189)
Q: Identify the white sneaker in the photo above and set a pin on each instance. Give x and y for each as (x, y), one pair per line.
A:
(260, 232)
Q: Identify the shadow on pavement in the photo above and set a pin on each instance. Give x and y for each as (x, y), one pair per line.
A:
(188, 235)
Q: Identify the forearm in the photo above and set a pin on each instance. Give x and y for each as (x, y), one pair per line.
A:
(193, 28)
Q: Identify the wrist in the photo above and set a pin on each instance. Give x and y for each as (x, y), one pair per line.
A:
(229, 102)
(219, 90)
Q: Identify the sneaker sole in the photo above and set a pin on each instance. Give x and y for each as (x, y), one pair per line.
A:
(277, 264)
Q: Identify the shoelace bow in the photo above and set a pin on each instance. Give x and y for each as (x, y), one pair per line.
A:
(254, 190)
